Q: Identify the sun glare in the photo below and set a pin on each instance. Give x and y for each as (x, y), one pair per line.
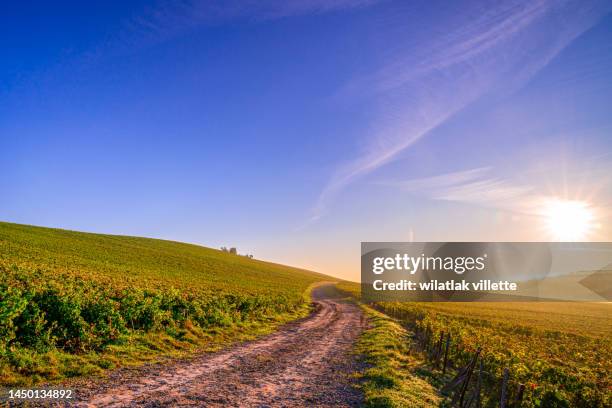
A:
(569, 220)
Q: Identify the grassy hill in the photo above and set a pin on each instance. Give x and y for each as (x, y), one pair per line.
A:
(74, 303)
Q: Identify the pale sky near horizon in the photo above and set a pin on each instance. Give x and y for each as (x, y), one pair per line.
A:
(296, 130)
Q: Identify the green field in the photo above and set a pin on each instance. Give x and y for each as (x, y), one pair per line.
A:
(561, 352)
(75, 303)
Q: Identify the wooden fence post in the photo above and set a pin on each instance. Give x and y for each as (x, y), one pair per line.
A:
(479, 386)
(469, 376)
(475, 396)
(448, 339)
(519, 394)
(502, 402)
(438, 351)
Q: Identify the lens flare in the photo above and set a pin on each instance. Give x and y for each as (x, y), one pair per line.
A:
(568, 220)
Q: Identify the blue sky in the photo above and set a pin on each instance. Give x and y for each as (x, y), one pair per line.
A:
(295, 130)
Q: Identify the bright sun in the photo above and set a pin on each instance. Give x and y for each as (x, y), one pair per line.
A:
(569, 220)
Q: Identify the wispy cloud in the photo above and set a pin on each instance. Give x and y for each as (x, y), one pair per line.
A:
(420, 88)
(472, 40)
(475, 186)
(168, 19)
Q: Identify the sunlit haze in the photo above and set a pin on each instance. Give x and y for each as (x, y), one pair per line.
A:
(569, 220)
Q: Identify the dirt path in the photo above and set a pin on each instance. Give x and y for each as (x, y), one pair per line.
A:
(307, 363)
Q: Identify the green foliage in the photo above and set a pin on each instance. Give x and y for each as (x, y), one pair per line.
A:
(12, 304)
(67, 293)
(561, 369)
(562, 352)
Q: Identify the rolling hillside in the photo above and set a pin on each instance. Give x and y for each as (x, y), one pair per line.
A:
(75, 303)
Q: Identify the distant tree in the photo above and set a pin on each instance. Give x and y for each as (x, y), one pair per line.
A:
(233, 251)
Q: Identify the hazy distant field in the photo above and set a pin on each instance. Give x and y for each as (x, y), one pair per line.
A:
(74, 303)
(561, 351)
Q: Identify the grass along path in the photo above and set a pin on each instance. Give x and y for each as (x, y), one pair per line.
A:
(390, 379)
